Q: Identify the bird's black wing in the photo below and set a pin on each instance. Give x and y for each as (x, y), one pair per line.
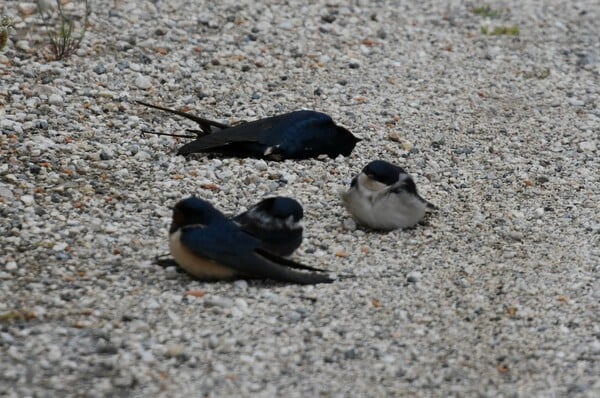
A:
(257, 131)
(205, 124)
(287, 262)
(234, 249)
(263, 267)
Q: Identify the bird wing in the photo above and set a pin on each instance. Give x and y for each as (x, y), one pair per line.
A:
(217, 239)
(254, 217)
(257, 131)
(400, 187)
(234, 249)
(287, 262)
(286, 129)
(275, 235)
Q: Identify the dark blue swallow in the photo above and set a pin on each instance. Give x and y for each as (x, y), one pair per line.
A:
(277, 222)
(209, 246)
(295, 135)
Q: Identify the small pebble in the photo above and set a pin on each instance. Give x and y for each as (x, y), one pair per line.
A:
(60, 246)
(55, 99)
(240, 284)
(143, 82)
(100, 69)
(260, 165)
(587, 146)
(23, 45)
(27, 200)
(218, 301)
(174, 350)
(152, 305)
(293, 316)
(413, 276)
(26, 9)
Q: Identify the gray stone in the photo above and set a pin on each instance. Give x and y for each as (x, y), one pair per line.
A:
(143, 82)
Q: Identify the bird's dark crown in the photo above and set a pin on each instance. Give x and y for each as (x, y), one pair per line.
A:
(283, 207)
(193, 210)
(383, 171)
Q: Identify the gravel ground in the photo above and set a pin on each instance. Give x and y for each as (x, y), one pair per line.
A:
(497, 294)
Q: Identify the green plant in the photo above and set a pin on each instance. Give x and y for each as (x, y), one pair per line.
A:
(537, 73)
(5, 23)
(64, 41)
(501, 30)
(486, 11)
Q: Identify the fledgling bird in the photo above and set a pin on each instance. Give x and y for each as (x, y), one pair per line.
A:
(296, 135)
(383, 196)
(276, 222)
(209, 246)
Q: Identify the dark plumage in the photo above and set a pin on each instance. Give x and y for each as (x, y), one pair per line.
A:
(207, 245)
(295, 135)
(276, 222)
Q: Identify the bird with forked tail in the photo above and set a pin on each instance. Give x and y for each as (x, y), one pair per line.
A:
(209, 246)
(300, 134)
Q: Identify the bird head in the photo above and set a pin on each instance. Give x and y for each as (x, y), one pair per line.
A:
(347, 144)
(383, 172)
(193, 211)
(283, 208)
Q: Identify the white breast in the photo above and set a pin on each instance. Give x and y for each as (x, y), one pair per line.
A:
(372, 204)
(397, 210)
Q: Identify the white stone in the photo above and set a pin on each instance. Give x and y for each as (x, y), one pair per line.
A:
(27, 200)
(142, 156)
(60, 246)
(11, 125)
(23, 45)
(143, 82)
(26, 9)
(55, 99)
(260, 165)
(587, 146)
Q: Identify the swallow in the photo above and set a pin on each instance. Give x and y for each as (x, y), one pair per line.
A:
(276, 222)
(209, 246)
(383, 196)
(296, 135)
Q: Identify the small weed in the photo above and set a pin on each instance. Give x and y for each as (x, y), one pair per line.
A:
(537, 73)
(5, 23)
(64, 41)
(17, 315)
(501, 30)
(486, 12)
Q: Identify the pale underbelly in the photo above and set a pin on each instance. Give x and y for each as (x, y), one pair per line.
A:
(199, 267)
